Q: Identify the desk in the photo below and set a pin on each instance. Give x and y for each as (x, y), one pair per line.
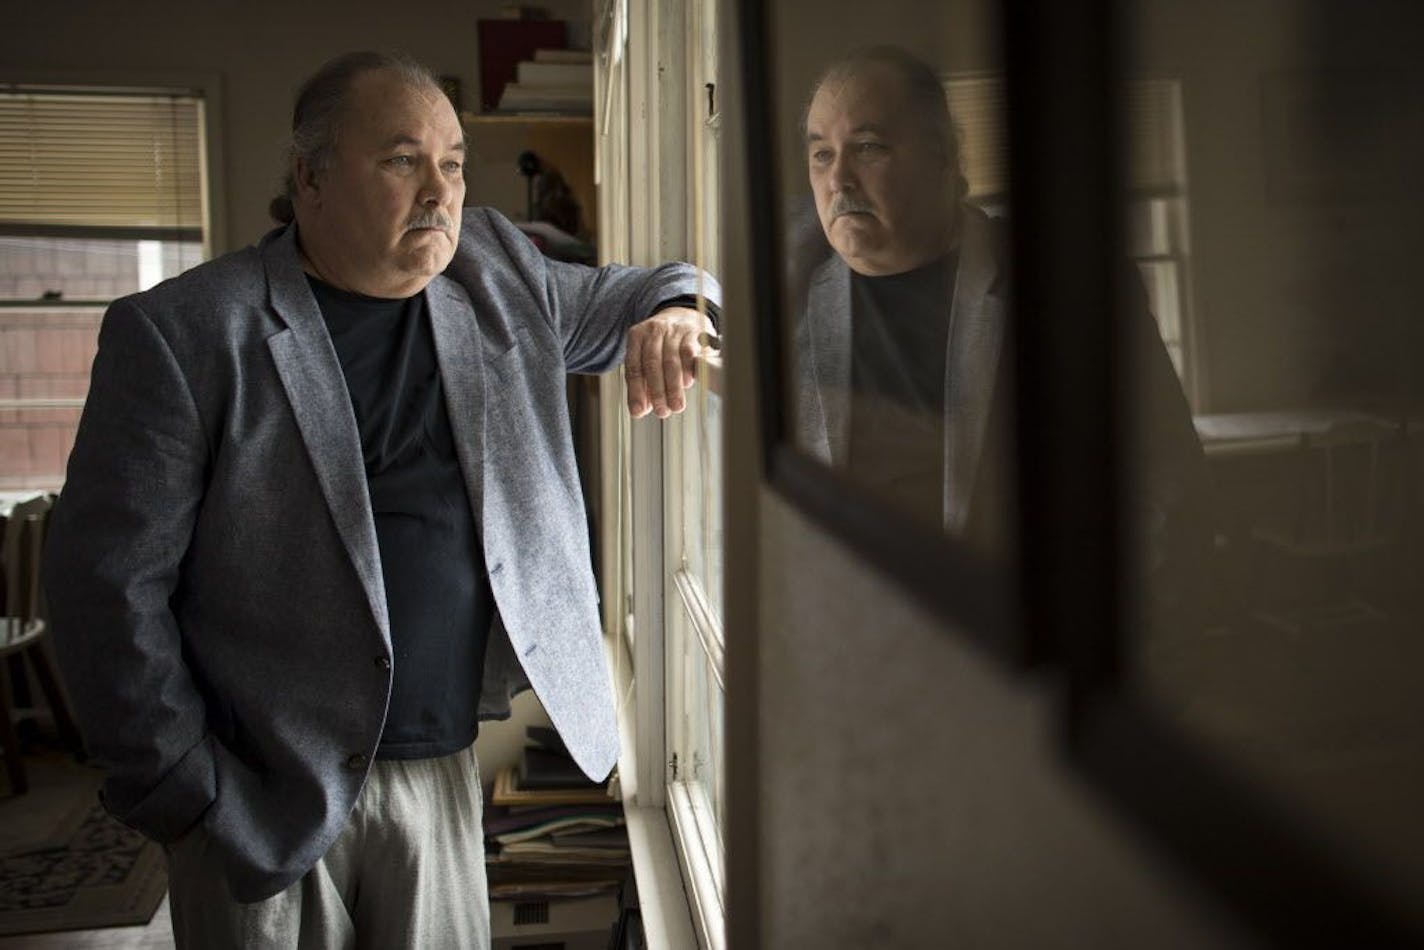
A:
(1229, 434)
(9, 499)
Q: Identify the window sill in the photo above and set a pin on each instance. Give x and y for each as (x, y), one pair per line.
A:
(666, 914)
(667, 921)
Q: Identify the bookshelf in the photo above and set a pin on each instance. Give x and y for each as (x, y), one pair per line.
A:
(561, 141)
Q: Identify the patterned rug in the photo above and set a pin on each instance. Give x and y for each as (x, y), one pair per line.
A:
(89, 872)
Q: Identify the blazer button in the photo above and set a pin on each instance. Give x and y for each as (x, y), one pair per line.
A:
(383, 661)
(356, 761)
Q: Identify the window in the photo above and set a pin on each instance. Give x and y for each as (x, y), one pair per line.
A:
(1157, 214)
(693, 554)
(663, 541)
(1157, 192)
(102, 193)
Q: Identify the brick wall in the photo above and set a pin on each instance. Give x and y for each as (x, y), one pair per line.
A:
(45, 353)
(46, 349)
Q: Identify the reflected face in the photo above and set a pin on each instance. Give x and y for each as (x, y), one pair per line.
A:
(884, 189)
(384, 217)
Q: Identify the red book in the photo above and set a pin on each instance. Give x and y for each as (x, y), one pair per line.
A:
(504, 44)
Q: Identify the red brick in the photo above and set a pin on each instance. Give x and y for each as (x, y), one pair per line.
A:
(14, 451)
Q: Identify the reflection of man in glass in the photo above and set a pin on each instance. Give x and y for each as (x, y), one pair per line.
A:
(882, 379)
(901, 362)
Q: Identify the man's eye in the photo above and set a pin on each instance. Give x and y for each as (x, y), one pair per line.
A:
(821, 156)
(869, 148)
(400, 161)
(454, 166)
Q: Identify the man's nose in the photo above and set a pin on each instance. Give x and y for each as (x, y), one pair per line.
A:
(435, 189)
(842, 172)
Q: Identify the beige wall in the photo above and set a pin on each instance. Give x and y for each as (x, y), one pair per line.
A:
(1281, 326)
(914, 794)
(260, 50)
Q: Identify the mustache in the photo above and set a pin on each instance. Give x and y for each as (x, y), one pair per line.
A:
(849, 204)
(430, 219)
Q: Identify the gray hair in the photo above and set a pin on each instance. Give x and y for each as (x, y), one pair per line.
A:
(924, 93)
(321, 105)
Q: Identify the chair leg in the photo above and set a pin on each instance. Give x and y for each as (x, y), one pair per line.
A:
(19, 784)
(53, 689)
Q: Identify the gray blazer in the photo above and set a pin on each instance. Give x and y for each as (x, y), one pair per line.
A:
(973, 369)
(214, 582)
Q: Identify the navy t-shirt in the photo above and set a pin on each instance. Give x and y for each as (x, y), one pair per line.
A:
(899, 339)
(438, 595)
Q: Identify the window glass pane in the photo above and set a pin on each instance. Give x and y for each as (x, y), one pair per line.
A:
(47, 344)
(701, 446)
(1279, 532)
(703, 753)
(45, 354)
(88, 269)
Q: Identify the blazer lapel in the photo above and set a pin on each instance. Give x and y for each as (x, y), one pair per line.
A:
(460, 357)
(827, 386)
(976, 332)
(311, 375)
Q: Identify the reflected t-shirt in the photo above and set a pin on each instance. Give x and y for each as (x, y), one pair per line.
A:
(437, 591)
(899, 338)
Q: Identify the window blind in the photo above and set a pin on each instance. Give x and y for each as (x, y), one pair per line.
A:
(1153, 129)
(101, 165)
(977, 107)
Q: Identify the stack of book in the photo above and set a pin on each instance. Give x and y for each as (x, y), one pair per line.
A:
(550, 833)
(555, 80)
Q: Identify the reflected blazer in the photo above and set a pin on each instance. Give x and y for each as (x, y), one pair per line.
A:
(1167, 484)
(212, 570)
(974, 370)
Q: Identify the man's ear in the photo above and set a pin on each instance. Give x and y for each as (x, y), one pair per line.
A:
(307, 180)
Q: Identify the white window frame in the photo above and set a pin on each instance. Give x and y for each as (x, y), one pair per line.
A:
(645, 170)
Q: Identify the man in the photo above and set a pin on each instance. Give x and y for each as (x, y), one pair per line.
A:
(322, 516)
(902, 366)
(880, 376)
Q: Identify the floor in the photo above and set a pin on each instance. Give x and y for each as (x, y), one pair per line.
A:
(56, 784)
(157, 935)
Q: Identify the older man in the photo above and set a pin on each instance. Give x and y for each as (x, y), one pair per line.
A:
(881, 378)
(902, 365)
(322, 516)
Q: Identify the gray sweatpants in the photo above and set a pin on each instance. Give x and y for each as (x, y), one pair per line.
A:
(408, 870)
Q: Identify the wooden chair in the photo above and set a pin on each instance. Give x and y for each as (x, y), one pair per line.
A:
(23, 634)
(1343, 500)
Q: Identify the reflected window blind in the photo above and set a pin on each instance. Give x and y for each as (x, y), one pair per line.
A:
(1154, 136)
(101, 165)
(1153, 129)
(977, 107)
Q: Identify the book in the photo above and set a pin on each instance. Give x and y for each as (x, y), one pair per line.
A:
(611, 838)
(541, 769)
(546, 737)
(574, 75)
(518, 97)
(563, 56)
(573, 826)
(507, 791)
(504, 44)
(502, 819)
